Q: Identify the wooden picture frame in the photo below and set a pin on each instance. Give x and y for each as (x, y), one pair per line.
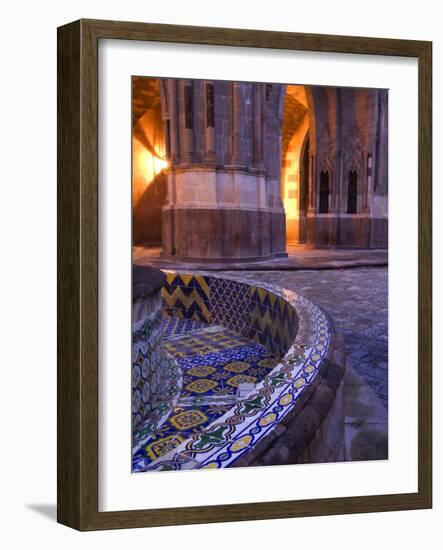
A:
(78, 274)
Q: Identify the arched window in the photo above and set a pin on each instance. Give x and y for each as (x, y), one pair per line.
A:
(323, 206)
(352, 192)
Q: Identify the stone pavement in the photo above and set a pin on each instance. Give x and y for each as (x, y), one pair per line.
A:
(299, 257)
(365, 421)
(357, 300)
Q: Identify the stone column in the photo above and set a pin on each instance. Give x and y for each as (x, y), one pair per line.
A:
(312, 182)
(381, 151)
(337, 183)
(187, 120)
(224, 202)
(263, 124)
(343, 192)
(236, 159)
(257, 155)
(209, 119)
(364, 185)
(312, 198)
(173, 120)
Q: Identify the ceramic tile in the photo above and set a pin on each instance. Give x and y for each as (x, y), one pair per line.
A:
(264, 338)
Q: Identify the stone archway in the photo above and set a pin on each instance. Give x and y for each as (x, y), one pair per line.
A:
(149, 164)
(297, 120)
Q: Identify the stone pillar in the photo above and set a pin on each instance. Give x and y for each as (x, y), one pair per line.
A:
(257, 156)
(312, 201)
(209, 120)
(336, 188)
(186, 120)
(263, 125)
(224, 199)
(173, 120)
(366, 182)
(312, 180)
(381, 153)
(236, 159)
(342, 185)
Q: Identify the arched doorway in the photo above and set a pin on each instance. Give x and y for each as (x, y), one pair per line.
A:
(295, 162)
(149, 179)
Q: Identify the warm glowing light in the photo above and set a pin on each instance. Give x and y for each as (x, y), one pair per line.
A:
(151, 165)
(148, 151)
(297, 126)
(159, 165)
(147, 166)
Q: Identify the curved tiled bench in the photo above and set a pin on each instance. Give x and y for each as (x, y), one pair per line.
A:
(292, 415)
(155, 374)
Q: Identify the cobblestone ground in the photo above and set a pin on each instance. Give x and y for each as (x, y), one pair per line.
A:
(357, 300)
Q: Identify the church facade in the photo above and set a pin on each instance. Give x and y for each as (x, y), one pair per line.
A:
(234, 170)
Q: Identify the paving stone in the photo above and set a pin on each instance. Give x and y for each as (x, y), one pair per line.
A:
(361, 404)
(367, 442)
(357, 300)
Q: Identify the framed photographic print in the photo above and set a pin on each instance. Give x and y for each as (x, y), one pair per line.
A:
(244, 275)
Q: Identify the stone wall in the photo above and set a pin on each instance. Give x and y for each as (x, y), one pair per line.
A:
(348, 133)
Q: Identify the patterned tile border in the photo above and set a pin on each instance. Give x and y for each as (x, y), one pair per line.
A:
(173, 383)
(257, 417)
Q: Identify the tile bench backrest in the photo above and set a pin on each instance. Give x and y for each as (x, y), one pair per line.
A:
(244, 308)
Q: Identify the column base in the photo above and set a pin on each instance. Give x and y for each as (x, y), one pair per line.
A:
(202, 234)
